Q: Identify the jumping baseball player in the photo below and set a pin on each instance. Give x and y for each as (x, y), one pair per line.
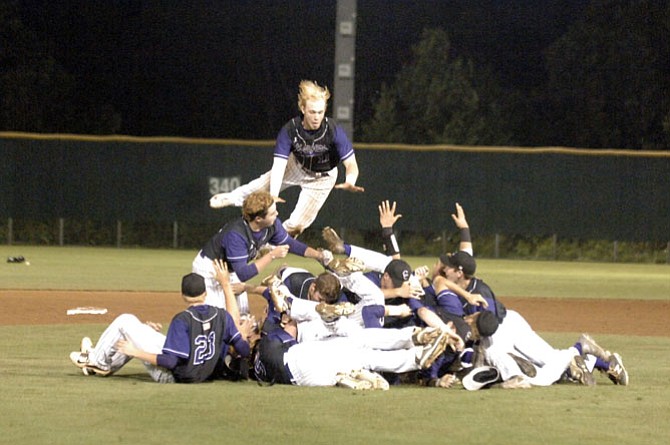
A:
(307, 152)
(197, 340)
(238, 243)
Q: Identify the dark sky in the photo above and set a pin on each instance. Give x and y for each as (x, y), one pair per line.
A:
(231, 68)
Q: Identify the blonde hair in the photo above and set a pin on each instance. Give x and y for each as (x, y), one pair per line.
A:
(310, 90)
(257, 204)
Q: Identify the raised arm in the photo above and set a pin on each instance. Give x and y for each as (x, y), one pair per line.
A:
(464, 228)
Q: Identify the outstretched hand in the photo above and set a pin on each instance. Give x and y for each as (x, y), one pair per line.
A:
(349, 187)
(221, 273)
(459, 217)
(387, 215)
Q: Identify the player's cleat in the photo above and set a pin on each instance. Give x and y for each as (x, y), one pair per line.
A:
(279, 295)
(616, 372)
(295, 231)
(345, 267)
(347, 381)
(447, 381)
(524, 365)
(376, 380)
(481, 378)
(423, 336)
(430, 352)
(580, 372)
(85, 347)
(331, 312)
(333, 240)
(589, 346)
(81, 361)
(221, 200)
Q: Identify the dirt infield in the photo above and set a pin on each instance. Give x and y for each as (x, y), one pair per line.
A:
(633, 317)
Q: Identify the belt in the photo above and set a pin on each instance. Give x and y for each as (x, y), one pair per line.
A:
(315, 174)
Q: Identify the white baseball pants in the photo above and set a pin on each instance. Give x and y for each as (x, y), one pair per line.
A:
(314, 192)
(215, 297)
(129, 327)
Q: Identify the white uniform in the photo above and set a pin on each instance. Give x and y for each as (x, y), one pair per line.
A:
(515, 336)
(315, 188)
(129, 327)
(317, 363)
(215, 297)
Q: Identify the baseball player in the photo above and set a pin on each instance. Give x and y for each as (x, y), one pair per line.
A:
(192, 351)
(344, 360)
(238, 243)
(307, 152)
(524, 358)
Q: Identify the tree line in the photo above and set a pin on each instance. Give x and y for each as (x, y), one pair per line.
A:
(144, 69)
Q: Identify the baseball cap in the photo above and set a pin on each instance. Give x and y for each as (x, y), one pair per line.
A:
(192, 285)
(487, 323)
(399, 271)
(460, 260)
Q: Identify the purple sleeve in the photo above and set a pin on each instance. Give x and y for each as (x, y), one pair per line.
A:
(344, 148)
(450, 302)
(282, 144)
(167, 361)
(237, 254)
(373, 315)
(177, 345)
(281, 237)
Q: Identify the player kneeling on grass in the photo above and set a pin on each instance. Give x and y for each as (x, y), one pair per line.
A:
(193, 350)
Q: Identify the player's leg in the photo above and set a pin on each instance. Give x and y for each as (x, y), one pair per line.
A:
(527, 342)
(373, 260)
(385, 339)
(313, 194)
(364, 288)
(104, 358)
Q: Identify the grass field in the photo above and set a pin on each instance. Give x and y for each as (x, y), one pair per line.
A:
(46, 400)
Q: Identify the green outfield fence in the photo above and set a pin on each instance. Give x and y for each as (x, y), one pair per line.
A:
(74, 189)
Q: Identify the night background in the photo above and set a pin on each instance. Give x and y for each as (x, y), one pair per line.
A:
(541, 72)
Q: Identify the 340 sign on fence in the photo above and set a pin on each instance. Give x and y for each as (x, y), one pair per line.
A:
(223, 185)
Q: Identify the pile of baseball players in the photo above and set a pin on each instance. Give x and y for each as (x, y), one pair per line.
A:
(368, 321)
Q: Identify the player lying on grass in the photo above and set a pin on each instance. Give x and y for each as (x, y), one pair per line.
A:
(514, 355)
(239, 242)
(193, 350)
(352, 361)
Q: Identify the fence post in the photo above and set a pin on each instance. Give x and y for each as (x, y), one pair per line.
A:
(175, 234)
(119, 233)
(615, 253)
(667, 260)
(61, 229)
(554, 246)
(10, 232)
(496, 246)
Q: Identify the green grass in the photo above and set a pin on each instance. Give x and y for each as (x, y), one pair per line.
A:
(47, 400)
(86, 268)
